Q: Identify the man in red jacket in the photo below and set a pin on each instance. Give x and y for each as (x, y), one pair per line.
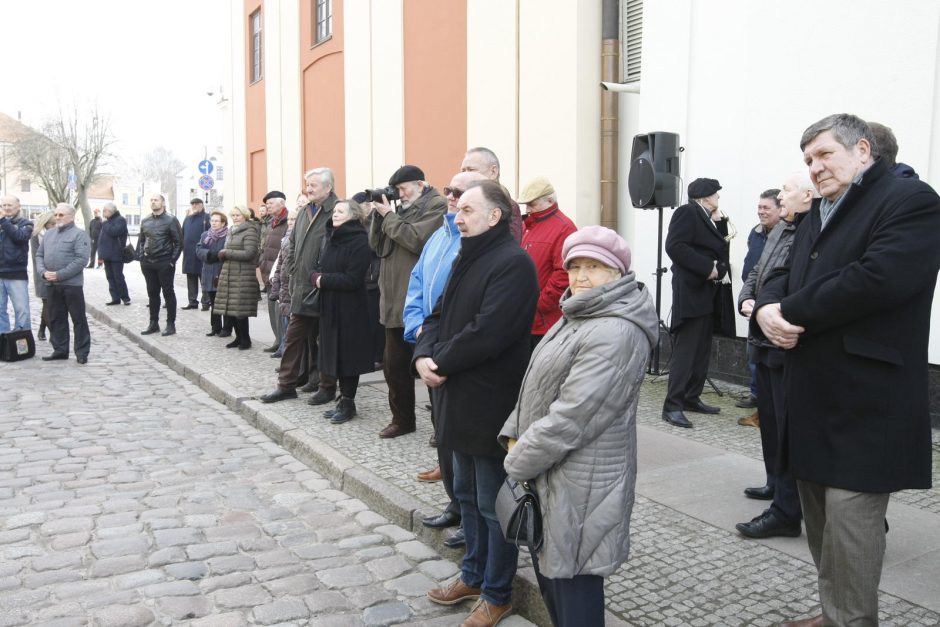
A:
(544, 231)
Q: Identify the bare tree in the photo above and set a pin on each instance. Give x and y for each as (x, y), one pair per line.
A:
(160, 164)
(42, 160)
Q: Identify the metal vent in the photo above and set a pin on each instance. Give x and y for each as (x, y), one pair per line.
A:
(632, 39)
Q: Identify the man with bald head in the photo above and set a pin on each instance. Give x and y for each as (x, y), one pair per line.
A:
(60, 261)
(15, 231)
(484, 161)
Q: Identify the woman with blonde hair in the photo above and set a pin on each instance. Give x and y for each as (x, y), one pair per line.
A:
(237, 295)
(42, 224)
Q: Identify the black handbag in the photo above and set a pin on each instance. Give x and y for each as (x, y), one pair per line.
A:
(519, 514)
(129, 254)
(17, 345)
(312, 299)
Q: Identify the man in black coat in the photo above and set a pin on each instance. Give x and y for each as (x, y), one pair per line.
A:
(698, 249)
(852, 310)
(194, 225)
(472, 351)
(94, 232)
(113, 240)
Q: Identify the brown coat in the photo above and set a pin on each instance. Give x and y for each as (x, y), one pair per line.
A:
(238, 291)
(271, 246)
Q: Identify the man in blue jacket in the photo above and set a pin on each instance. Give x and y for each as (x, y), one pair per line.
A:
(15, 231)
(425, 287)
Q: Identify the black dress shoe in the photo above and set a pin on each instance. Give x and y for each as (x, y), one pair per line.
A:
(205, 307)
(211, 333)
(225, 334)
(113, 302)
(55, 357)
(768, 525)
(153, 328)
(190, 306)
(456, 541)
(322, 397)
(169, 330)
(763, 493)
(698, 406)
(127, 302)
(82, 360)
(271, 349)
(442, 520)
(234, 343)
(676, 418)
(748, 402)
(280, 394)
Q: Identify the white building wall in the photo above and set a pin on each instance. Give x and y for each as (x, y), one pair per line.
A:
(358, 101)
(282, 97)
(388, 101)
(235, 142)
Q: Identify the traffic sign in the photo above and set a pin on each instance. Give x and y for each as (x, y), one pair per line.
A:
(206, 182)
(205, 167)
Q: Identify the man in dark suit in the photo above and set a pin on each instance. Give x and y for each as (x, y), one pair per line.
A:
(698, 249)
(852, 309)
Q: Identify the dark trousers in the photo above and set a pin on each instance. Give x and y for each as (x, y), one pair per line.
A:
(216, 320)
(445, 460)
(192, 290)
(44, 322)
(348, 386)
(117, 286)
(68, 301)
(688, 366)
(300, 343)
(240, 326)
(94, 253)
(770, 405)
(275, 319)
(378, 331)
(159, 277)
(401, 385)
(574, 602)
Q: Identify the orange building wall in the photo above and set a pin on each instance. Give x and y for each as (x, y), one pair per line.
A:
(435, 69)
(322, 96)
(256, 175)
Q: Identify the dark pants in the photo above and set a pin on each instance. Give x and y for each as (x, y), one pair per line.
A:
(117, 286)
(490, 561)
(192, 289)
(688, 366)
(574, 602)
(159, 277)
(770, 405)
(301, 341)
(348, 386)
(445, 460)
(378, 331)
(275, 318)
(240, 326)
(401, 384)
(94, 253)
(44, 322)
(68, 301)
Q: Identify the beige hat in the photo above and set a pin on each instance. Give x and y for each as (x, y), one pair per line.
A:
(537, 187)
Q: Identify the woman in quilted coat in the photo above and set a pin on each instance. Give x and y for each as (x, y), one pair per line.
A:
(237, 296)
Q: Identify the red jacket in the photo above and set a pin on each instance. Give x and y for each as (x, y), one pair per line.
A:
(544, 234)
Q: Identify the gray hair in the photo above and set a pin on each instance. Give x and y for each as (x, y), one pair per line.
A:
(488, 155)
(63, 206)
(325, 174)
(495, 196)
(886, 144)
(847, 129)
(801, 177)
(109, 204)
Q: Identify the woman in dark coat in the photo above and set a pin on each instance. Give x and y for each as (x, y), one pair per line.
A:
(42, 224)
(207, 251)
(345, 338)
(238, 291)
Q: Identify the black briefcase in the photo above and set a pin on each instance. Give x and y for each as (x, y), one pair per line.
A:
(17, 345)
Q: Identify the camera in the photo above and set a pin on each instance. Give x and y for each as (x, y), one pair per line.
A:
(375, 195)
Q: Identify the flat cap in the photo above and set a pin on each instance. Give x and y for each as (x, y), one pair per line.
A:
(537, 187)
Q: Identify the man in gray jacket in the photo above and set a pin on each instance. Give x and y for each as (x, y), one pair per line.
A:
(60, 261)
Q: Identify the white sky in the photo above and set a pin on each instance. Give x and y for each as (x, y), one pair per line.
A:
(146, 64)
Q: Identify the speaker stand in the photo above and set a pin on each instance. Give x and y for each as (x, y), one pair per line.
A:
(660, 271)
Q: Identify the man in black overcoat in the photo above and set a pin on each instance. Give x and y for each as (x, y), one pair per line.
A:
(698, 249)
(473, 351)
(852, 309)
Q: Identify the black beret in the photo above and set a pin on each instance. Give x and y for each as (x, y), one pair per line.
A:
(703, 188)
(360, 197)
(274, 194)
(406, 173)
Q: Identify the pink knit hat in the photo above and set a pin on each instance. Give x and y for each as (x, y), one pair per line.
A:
(600, 243)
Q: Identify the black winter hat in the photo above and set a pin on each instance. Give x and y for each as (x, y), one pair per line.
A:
(703, 188)
(406, 173)
(274, 194)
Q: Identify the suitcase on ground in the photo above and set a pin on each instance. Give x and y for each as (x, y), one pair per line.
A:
(17, 345)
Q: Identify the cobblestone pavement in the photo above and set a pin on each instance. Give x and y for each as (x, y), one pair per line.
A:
(129, 497)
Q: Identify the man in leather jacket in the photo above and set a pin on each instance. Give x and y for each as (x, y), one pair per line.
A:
(158, 247)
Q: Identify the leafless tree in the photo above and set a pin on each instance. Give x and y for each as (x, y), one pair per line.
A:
(41, 159)
(160, 164)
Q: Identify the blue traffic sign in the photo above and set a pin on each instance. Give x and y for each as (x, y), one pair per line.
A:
(206, 182)
(206, 167)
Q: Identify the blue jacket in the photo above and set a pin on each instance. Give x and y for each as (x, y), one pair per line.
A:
(14, 245)
(430, 275)
(755, 246)
(113, 238)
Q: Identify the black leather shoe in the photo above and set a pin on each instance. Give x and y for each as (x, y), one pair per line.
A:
(113, 302)
(322, 397)
(442, 520)
(205, 307)
(768, 525)
(190, 306)
(153, 328)
(271, 349)
(698, 406)
(127, 302)
(55, 357)
(748, 402)
(456, 541)
(676, 418)
(763, 493)
(234, 343)
(212, 333)
(280, 394)
(225, 334)
(169, 330)
(82, 360)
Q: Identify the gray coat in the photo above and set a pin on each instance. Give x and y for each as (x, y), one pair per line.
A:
(577, 419)
(775, 253)
(238, 291)
(64, 250)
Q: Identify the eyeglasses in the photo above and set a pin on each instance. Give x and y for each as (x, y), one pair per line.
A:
(453, 191)
(61, 215)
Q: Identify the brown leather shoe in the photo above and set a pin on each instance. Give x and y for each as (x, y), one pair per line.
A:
(815, 621)
(453, 593)
(393, 431)
(750, 421)
(430, 475)
(485, 614)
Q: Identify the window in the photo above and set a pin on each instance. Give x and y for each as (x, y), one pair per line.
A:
(125, 199)
(632, 40)
(24, 185)
(255, 23)
(324, 21)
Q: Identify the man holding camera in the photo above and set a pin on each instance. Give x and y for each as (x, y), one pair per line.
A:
(397, 236)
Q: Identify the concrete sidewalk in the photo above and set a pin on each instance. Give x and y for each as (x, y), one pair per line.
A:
(687, 565)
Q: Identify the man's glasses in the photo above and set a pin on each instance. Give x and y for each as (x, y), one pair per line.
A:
(453, 191)
(61, 215)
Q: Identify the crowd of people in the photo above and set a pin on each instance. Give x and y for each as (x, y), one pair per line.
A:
(533, 338)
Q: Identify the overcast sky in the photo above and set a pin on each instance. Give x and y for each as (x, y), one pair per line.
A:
(148, 65)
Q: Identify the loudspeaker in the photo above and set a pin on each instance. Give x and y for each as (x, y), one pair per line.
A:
(654, 171)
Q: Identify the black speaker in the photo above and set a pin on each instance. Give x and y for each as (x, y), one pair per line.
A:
(654, 171)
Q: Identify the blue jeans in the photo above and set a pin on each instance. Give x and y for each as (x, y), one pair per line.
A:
(17, 290)
(490, 561)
